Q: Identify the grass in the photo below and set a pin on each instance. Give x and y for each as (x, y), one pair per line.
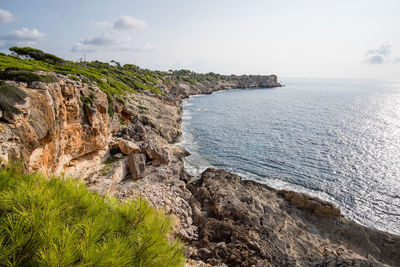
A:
(58, 222)
(142, 107)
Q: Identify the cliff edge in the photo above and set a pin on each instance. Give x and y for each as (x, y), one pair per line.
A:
(123, 142)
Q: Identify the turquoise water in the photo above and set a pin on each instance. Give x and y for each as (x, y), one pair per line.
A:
(335, 139)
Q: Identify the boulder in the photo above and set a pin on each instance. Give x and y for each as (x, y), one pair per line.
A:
(128, 147)
(158, 155)
(119, 171)
(136, 165)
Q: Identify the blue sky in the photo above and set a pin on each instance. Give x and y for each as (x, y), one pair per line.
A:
(326, 39)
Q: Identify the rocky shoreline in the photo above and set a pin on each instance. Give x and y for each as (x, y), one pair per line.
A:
(223, 219)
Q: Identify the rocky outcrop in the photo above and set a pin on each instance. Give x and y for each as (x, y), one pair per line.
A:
(54, 126)
(314, 205)
(182, 90)
(243, 223)
(65, 127)
(257, 81)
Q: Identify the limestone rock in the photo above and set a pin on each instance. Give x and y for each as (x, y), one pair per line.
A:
(288, 229)
(159, 155)
(136, 164)
(55, 126)
(120, 171)
(315, 205)
(128, 147)
(38, 85)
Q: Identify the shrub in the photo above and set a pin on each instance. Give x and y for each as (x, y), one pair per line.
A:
(73, 77)
(58, 222)
(86, 99)
(36, 54)
(15, 74)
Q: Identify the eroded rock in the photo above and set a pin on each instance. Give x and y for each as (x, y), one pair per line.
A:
(243, 223)
(136, 164)
(159, 155)
(128, 147)
(315, 205)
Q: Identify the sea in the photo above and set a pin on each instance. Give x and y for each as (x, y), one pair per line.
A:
(338, 140)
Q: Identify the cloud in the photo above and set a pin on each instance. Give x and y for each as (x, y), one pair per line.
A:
(129, 23)
(106, 39)
(6, 16)
(114, 39)
(384, 50)
(376, 59)
(111, 41)
(21, 37)
(381, 55)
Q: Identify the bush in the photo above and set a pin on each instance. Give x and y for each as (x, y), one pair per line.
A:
(73, 77)
(15, 74)
(59, 222)
(36, 54)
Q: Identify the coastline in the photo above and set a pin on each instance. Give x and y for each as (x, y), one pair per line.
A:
(223, 219)
(331, 215)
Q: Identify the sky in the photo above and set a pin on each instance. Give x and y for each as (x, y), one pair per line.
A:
(322, 39)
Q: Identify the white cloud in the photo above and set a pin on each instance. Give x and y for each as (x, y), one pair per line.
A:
(21, 37)
(383, 50)
(111, 42)
(114, 39)
(375, 59)
(129, 23)
(381, 55)
(26, 35)
(6, 16)
(106, 39)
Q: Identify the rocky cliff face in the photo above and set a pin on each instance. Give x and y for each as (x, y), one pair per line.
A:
(243, 223)
(183, 90)
(54, 126)
(65, 128)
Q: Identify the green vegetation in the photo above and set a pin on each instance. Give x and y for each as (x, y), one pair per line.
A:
(88, 99)
(113, 79)
(13, 74)
(123, 122)
(36, 54)
(73, 77)
(58, 222)
(142, 107)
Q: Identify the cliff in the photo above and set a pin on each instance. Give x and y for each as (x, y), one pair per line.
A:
(124, 144)
(65, 127)
(243, 223)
